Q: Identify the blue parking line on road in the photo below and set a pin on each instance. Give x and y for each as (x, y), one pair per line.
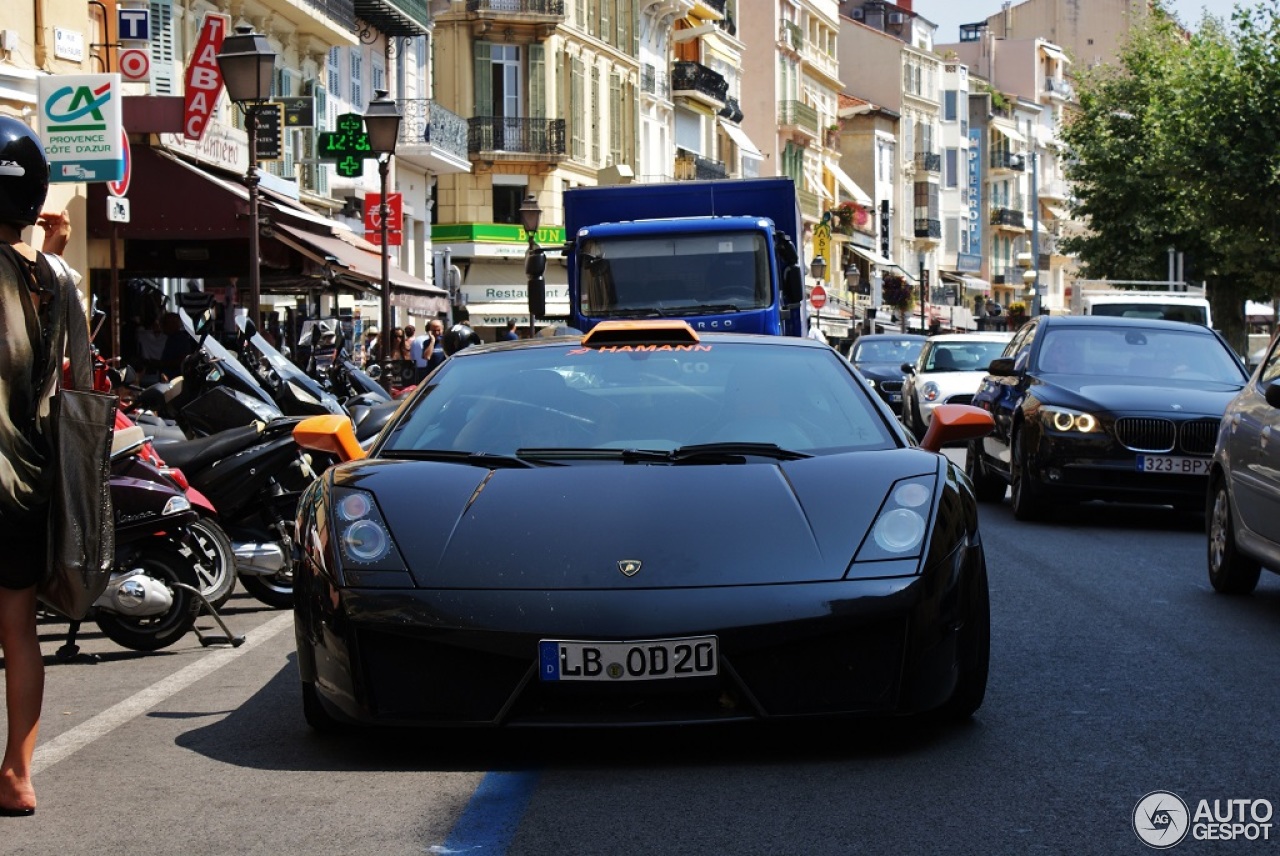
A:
(490, 820)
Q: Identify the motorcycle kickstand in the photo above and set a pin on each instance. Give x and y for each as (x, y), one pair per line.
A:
(70, 650)
(207, 639)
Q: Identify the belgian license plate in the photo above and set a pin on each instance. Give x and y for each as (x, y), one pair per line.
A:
(650, 660)
(1173, 464)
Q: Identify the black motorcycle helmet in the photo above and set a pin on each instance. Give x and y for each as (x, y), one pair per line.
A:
(24, 173)
(458, 337)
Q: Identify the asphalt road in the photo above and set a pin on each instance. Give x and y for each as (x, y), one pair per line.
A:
(1116, 672)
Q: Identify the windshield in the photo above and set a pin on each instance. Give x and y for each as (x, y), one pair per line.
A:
(674, 274)
(227, 362)
(1187, 313)
(283, 368)
(895, 351)
(962, 356)
(499, 402)
(1139, 352)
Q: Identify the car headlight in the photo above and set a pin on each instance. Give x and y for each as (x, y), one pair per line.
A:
(1066, 420)
(929, 392)
(362, 534)
(871, 383)
(900, 529)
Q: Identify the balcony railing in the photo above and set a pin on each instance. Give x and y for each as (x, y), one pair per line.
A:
(1060, 88)
(718, 5)
(516, 135)
(1008, 217)
(546, 8)
(654, 82)
(696, 77)
(1054, 188)
(402, 18)
(929, 161)
(928, 228)
(731, 110)
(791, 35)
(1008, 160)
(799, 115)
(691, 167)
(341, 11)
(424, 121)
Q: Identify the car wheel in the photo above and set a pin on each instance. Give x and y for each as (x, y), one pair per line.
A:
(917, 420)
(313, 711)
(987, 486)
(1230, 572)
(973, 650)
(1026, 491)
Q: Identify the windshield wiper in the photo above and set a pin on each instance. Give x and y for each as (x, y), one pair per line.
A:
(487, 460)
(587, 453)
(708, 451)
(705, 308)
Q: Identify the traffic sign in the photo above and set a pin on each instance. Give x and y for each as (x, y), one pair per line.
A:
(121, 187)
(117, 209)
(818, 297)
(135, 65)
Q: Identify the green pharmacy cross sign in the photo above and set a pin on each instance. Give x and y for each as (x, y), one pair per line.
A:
(347, 147)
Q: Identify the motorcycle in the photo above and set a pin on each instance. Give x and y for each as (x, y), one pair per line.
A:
(152, 598)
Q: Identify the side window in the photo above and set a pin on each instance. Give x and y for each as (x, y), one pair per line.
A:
(1020, 347)
(1271, 366)
(1016, 343)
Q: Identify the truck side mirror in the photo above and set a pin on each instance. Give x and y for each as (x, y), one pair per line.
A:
(792, 285)
(537, 296)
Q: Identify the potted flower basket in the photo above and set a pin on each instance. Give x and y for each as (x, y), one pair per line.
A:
(895, 291)
(1017, 314)
(846, 217)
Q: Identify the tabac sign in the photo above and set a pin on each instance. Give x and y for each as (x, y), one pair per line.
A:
(82, 126)
(204, 77)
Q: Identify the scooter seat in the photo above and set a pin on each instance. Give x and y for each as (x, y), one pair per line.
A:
(191, 456)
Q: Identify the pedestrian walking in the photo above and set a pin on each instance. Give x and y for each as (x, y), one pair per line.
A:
(29, 370)
(433, 353)
(512, 335)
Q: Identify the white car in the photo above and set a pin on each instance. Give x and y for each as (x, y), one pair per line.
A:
(949, 370)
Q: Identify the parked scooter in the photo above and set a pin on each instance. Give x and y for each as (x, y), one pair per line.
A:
(152, 598)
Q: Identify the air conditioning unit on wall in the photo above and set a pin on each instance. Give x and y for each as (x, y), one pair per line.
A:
(897, 17)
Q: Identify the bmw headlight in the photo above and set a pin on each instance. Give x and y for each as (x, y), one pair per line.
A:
(900, 529)
(1066, 420)
(362, 534)
(929, 392)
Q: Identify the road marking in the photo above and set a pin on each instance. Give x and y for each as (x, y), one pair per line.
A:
(489, 822)
(70, 742)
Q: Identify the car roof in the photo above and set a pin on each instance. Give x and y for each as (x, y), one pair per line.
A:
(1116, 321)
(988, 336)
(890, 337)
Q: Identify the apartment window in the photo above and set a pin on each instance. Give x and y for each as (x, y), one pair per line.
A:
(951, 168)
(949, 106)
(506, 203)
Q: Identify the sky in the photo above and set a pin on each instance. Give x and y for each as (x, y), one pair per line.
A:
(950, 14)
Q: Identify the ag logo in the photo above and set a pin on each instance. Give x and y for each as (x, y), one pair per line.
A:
(1160, 819)
(629, 567)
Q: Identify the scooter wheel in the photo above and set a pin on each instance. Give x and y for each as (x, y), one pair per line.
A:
(275, 590)
(217, 566)
(167, 563)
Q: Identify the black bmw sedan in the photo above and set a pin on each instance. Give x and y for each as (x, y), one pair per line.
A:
(1098, 408)
(642, 525)
(879, 357)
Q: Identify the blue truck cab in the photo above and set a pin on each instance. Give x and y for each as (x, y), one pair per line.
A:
(719, 254)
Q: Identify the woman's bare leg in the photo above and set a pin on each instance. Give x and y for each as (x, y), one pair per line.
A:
(24, 694)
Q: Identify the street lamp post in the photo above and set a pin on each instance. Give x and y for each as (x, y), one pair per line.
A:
(1035, 232)
(818, 270)
(248, 67)
(382, 124)
(924, 282)
(535, 261)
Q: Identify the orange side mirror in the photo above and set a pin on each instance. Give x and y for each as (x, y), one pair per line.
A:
(956, 423)
(331, 434)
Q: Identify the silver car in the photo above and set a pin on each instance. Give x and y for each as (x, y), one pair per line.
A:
(1244, 483)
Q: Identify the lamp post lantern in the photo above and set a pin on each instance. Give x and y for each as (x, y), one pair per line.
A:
(535, 261)
(382, 125)
(248, 67)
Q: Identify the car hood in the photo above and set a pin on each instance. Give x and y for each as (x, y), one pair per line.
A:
(1148, 397)
(952, 382)
(880, 371)
(569, 527)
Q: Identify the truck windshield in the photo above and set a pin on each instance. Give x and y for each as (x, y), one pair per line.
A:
(680, 275)
(1188, 313)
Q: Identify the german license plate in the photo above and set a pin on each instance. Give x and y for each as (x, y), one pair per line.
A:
(1173, 464)
(650, 660)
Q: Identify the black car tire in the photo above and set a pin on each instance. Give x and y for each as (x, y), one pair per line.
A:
(314, 713)
(1026, 493)
(973, 650)
(916, 427)
(1230, 572)
(987, 486)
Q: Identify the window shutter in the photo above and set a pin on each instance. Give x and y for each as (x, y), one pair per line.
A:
(484, 80)
(335, 78)
(576, 110)
(314, 176)
(162, 48)
(593, 108)
(537, 82)
(615, 118)
(606, 27)
(357, 81)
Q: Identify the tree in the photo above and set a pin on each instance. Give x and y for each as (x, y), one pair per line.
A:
(1178, 145)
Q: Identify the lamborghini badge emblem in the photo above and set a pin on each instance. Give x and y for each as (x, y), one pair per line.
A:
(629, 567)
